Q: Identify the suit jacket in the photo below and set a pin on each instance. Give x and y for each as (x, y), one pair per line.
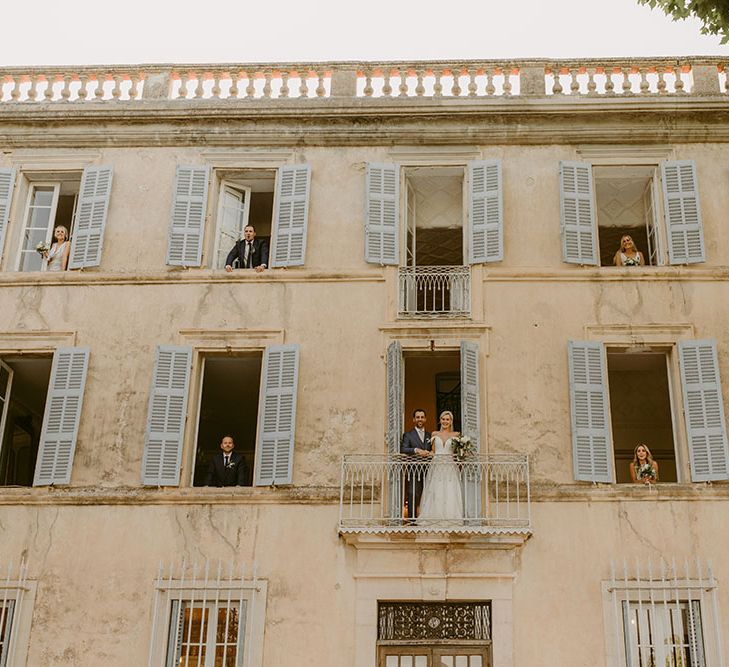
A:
(411, 440)
(233, 475)
(260, 253)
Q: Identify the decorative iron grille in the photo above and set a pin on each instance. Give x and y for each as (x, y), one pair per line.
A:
(408, 621)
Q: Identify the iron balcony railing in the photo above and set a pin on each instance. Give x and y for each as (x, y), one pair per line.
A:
(440, 291)
(377, 494)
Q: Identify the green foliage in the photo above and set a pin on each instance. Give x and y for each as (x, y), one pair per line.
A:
(713, 14)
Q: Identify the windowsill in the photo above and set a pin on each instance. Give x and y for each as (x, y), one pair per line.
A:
(662, 491)
(140, 495)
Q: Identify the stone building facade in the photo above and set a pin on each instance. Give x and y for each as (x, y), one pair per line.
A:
(441, 236)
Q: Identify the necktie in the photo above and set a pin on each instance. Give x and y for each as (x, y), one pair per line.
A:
(249, 251)
(227, 460)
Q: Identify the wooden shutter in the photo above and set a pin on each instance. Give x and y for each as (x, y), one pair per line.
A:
(591, 439)
(90, 220)
(470, 394)
(188, 216)
(704, 410)
(62, 416)
(579, 226)
(683, 214)
(291, 219)
(382, 233)
(7, 182)
(277, 415)
(166, 416)
(485, 212)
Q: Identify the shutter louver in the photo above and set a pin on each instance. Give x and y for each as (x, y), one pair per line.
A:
(277, 415)
(90, 220)
(7, 182)
(188, 216)
(62, 416)
(166, 416)
(683, 214)
(485, 205)
(579, 233)
(470, 394)
(382, 233)
(394, 397)
(292, 216)
(704, 410)
(591, 439)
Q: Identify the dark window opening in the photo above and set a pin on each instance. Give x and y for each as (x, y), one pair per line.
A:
(433, 383)
(23, 389)
(228, 406)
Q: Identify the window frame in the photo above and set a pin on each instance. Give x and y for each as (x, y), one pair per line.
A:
(20, 591)
(224, 186)
(32, 185)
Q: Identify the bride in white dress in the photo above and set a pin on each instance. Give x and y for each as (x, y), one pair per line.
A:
(442, 499)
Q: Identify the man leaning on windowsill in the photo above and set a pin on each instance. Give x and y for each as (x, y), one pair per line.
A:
(251, 253)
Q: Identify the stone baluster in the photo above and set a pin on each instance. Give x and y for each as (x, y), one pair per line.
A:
(490, 88)
(233, 75)
(403, 83)
(66, 89)
(557, 84)
(419, 87)
(33, 90)
(368, 90)
(15, 88)
(116, 88)
(438, 83)
(200, 88)
(661, 71)
(304, 84)
(591, 85)
(678, 84)
(182, 93)
(48, 94)
(267, 84)
(627, 84)
(321, 91)
(507, 81)
(644, 85)
(135, 78)
(472, 85)
(215, 90)
(574, 83)
(83, 79)
(387, 83)
(609, 85)
(99, 92)
(251, 87)
(456, 87)
(284, 90)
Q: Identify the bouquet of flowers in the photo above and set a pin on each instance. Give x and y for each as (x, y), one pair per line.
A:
(646, 470)
(631, 261)
(463, 447)
(42, 247)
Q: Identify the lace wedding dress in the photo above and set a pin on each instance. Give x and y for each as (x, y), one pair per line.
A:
(442, 499)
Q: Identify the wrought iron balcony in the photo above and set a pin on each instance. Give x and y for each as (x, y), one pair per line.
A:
(436, 291)
(376, 496)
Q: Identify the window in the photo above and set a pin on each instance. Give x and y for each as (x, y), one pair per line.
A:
(658, 205)
(240, 395)
(275, 202)
(209, 615)
(437, 241)
(40, 404)
(621, 397)
(15, 614)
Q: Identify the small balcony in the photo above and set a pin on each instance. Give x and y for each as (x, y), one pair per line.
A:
(494, 492)
(434, 291)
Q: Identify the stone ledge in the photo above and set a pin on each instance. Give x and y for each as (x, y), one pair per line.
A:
(661, 492)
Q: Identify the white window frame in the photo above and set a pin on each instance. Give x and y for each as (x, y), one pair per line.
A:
(224, 186)
(18, 590)
(27, 211)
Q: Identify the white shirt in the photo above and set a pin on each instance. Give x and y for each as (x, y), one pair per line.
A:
(421, 433)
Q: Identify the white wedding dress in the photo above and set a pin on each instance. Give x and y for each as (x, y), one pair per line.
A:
(442, 501)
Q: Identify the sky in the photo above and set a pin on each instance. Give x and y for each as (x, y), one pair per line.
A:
(82, 32)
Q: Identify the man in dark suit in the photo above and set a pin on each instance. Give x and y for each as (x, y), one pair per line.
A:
(416, 443)
(251, 253)
(227, 468)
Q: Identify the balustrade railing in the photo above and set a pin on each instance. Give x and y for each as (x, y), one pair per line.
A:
(466, 79)
(435, 291)
(377, 494)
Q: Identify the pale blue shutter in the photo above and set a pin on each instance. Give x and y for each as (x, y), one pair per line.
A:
(394, 428)
(382, 231)
(277, 415)
(472, 474)
(486, 212)
(90, 221)
(704, 410)
(7, 181)
(683, 213)
(166, 416)
(579, 226)
(62, 415)
(291, 218)
(187, 226)
(591, 439)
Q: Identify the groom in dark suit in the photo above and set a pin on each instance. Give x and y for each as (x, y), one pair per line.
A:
(227, 468)
(416, 443)
(251, 253)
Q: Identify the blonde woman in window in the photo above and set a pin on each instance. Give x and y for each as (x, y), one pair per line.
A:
(628, 254)
(57, 257)
(643, 469)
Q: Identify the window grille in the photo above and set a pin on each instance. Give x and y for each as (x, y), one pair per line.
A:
(665, 614)
(13, 586)
(203, 615)
(409, 621)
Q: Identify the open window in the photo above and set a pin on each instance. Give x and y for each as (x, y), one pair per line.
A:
(622, 397)
(40, 407)
(247, 395)
(274, 201)
(657, 205)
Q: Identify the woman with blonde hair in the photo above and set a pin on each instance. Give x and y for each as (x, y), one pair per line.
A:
(57, 257)
(627, 254)
(643, 469)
